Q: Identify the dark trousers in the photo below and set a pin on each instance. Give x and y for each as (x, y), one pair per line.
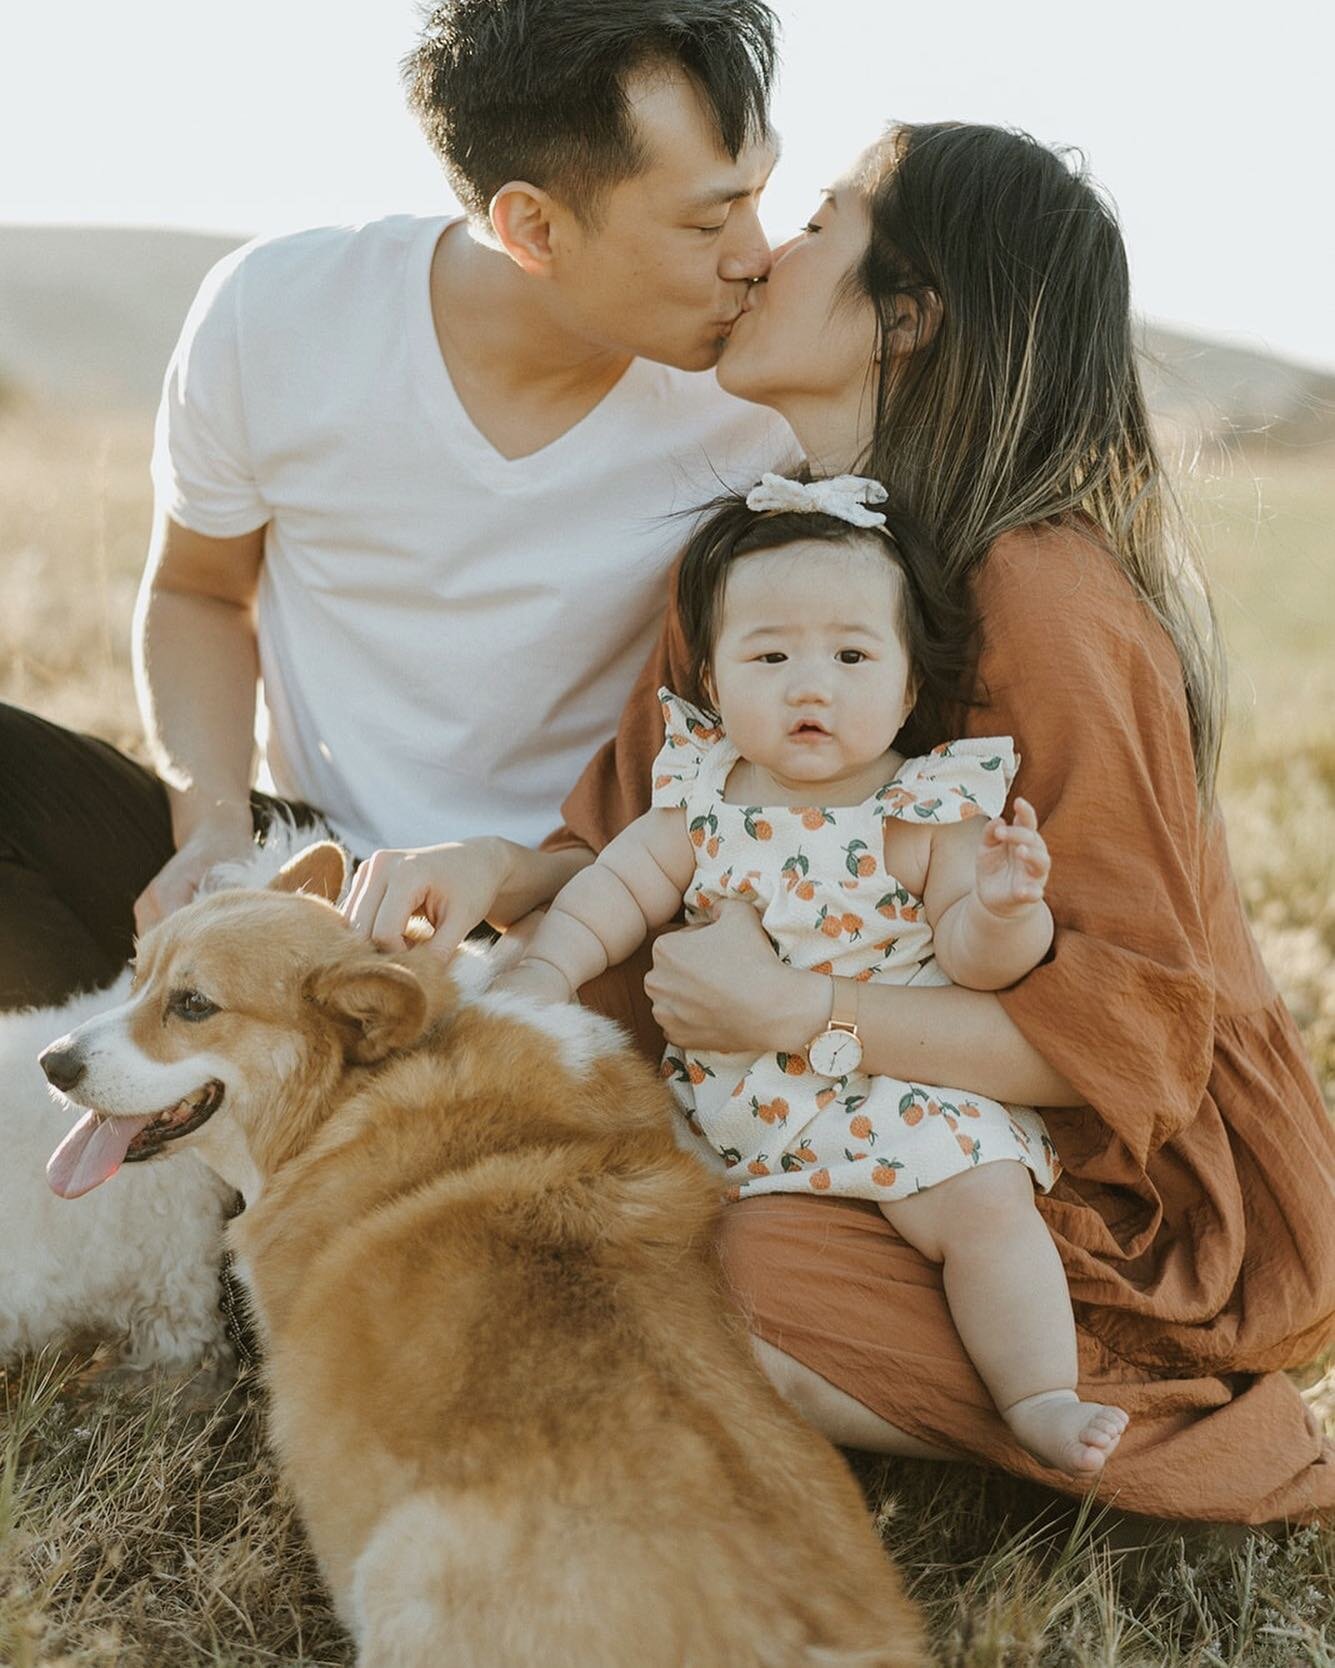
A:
(83, 830)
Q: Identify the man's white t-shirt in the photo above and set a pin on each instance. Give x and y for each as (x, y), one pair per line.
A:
(446, 636)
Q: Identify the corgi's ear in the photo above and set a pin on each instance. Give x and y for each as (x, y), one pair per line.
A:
(377, 1004)
(320, 870)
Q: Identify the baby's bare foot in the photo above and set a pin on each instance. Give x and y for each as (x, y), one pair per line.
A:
(1064, 1432)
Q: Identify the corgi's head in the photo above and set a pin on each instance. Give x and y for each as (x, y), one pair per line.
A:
(243, 1006)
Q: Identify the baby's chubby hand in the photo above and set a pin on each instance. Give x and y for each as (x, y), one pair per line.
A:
(1013, 864)
(536, 979)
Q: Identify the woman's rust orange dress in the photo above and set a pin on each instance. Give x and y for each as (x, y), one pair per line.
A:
(1196, 1213)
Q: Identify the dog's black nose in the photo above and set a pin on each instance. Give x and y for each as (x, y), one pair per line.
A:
(63, 1066)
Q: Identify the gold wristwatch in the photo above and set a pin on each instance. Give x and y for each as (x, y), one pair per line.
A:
(837, 1051)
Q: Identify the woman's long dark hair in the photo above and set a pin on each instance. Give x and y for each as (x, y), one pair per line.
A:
(1020, 400)
(936, 617)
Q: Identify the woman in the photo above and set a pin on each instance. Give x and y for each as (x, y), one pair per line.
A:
(955, 322)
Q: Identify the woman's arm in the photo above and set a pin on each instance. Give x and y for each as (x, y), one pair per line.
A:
(723, 988)
(1076, 668)
(946, 1034)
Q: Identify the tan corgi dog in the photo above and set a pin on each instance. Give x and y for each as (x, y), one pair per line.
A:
(523, 1425)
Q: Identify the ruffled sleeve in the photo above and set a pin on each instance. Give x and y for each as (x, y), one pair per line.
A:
(955, 781)
(690, 741)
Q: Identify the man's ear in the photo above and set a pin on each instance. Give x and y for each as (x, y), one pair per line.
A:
(521, 219)
(320, 870)
(377, 1004)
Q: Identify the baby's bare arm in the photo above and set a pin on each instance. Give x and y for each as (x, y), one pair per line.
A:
(984, 898)
(607, 910)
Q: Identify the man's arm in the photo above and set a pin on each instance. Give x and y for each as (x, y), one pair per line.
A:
(196, 670)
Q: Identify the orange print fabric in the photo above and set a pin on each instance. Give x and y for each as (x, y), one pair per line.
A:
(816, 875)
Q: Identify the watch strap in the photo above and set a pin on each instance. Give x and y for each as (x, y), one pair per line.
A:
(844, 1008)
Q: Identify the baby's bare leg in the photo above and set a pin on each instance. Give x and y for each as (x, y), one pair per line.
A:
(1008, 1295)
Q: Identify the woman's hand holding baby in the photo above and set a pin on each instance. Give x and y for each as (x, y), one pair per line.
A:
(721, 987)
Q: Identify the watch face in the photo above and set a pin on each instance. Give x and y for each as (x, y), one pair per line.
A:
(835, 1053)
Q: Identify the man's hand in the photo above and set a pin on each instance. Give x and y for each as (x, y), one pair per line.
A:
(452, 886)
(196, 666)
(1013, 864)
(223, 838)
(721, 987)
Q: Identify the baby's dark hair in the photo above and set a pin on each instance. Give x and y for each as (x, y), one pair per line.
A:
(936, 617)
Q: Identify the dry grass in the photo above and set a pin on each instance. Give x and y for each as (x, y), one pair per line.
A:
(73, 530)
(1268, 533)
(137, 1532)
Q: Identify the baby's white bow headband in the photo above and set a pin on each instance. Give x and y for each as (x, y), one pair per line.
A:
(846, 496)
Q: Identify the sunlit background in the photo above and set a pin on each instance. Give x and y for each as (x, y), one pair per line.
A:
(1209, 124)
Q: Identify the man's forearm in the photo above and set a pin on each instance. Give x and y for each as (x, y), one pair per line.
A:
(196, 671)
(533, 878)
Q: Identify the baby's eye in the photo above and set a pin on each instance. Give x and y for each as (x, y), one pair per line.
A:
(773, 658)
(850, 657)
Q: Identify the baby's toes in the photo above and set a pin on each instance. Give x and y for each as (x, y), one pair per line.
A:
(1103, 1430)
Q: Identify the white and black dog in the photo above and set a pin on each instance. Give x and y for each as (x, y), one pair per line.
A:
(136, 1266)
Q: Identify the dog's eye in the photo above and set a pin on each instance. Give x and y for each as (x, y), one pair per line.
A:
(191, 1004)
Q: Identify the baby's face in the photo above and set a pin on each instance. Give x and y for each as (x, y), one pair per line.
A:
(811, 675)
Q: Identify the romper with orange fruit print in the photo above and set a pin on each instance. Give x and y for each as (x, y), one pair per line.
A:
(828, 903)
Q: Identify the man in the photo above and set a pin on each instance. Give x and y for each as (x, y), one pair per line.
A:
(419, 478)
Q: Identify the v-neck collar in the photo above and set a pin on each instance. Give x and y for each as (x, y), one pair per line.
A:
(466, 440)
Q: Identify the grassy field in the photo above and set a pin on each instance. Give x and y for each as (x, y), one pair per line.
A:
(140, 1532)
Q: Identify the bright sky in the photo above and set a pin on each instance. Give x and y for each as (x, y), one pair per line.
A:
(1209, 124)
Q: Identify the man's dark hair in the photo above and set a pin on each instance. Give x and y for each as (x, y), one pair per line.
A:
(536, 89)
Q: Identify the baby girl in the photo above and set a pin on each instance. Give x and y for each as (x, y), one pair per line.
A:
(815, 634)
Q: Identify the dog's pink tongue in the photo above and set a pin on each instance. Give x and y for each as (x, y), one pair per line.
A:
(93, 1150)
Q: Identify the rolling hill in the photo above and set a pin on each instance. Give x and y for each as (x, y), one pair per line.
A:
(88, 316)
